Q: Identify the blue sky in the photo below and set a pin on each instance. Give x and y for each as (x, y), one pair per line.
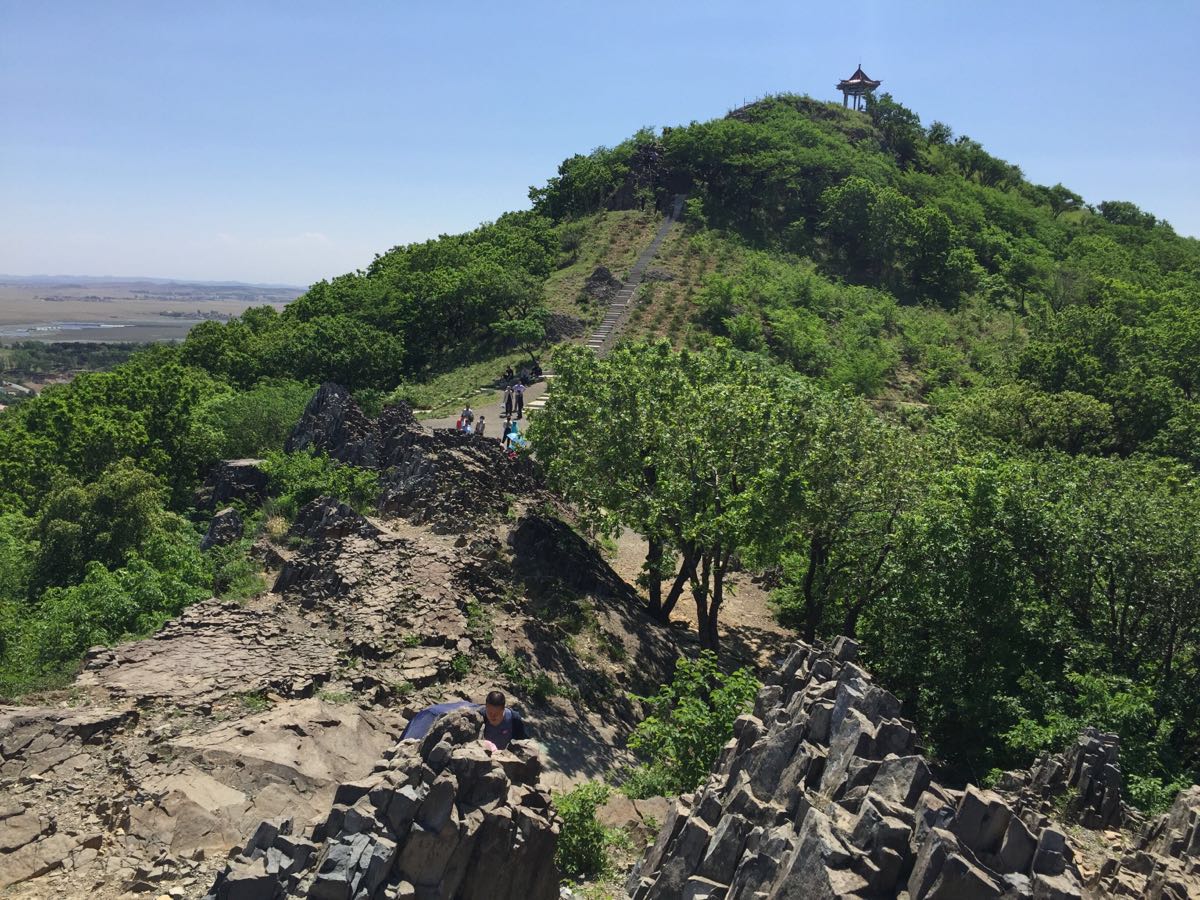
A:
(289, 141)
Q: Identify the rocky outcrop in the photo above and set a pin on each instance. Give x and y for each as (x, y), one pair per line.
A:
(446, 479)
(450, 480)
(112, 799)
(213, 649)
(1088, 775)
(1164, 864)
(821, 794)
(225, 528)
(233, 479)
(601, 286)
(439, 817)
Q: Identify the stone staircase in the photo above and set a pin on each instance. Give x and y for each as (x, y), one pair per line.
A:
(602, 339)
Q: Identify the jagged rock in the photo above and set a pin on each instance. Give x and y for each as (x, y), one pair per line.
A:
(561, 327)
(818, 794)
(1165, 861)
(233, 479)
(225, 528)
(601, 286)
(1087, 773)
(480, 829)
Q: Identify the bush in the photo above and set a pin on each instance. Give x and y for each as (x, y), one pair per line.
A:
(582, 840)
(258, 420)
(299, 478)
(692, 719)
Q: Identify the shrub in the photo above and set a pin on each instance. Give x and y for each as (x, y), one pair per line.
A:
(258, 420)
(692, 718)
(582, 839)
(298, 478)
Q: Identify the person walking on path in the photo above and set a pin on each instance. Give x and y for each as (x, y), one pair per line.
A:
(519, 395)
(468, 415)
(508, 401)
(479, 427)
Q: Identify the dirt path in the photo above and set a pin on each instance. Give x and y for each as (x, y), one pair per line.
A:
(492, 411)
(749, 632)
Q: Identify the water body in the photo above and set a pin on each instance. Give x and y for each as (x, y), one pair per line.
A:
(160, 329)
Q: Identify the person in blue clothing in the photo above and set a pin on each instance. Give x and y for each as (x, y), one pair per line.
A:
(500, 724)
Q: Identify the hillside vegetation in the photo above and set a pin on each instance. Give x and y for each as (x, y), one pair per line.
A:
(966, 407)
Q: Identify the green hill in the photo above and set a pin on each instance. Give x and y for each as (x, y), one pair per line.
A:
(1036, 358)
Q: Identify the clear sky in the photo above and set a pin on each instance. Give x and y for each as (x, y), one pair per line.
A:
(289, 141)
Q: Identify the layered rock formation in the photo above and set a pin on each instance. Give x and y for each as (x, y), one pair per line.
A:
(821, 794)
(1087, 775)
(1164, 864)
(440, 817)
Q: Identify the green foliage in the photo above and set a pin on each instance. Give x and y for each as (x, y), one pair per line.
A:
(691, 719)
(299, 478)
(1030, 597)
(152, 585)
(582, 841)
(98, 522)
(254, 422)
(460, 666)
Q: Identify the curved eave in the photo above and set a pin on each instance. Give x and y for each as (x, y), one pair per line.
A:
(858, 85)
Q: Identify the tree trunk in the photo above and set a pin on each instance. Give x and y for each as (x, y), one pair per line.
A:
(686, 570)
(700, 595)
(710, 638)
(812, 603)
(654, 555)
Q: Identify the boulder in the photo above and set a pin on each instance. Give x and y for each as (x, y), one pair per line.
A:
(225, 528)
(482, 828)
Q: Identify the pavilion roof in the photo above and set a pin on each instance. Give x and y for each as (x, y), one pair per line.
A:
(860, 78)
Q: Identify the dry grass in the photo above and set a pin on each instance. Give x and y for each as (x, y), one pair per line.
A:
(667, 308)
(611, 239)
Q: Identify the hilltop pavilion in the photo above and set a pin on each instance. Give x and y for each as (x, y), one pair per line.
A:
(858, 86)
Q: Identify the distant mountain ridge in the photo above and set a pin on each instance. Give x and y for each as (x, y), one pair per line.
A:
(140, 279)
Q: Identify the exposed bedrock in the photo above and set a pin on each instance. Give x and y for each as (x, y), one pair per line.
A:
(439, 817)
(821, 794)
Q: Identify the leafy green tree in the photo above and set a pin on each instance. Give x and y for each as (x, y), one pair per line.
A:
(690, 720)
(99, 522)
(860, 476)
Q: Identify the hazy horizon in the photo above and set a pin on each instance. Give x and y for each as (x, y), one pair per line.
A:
(272, 145)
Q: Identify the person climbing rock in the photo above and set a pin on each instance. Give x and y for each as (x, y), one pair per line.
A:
(501, 725)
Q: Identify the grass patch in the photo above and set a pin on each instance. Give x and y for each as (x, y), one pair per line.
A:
(254, 701)
(460, 666)
(336, 697)
(440, 394)
(479, 622)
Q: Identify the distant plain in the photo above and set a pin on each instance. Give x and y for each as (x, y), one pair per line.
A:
(87, 309)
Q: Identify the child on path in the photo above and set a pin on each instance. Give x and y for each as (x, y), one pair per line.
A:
(479, 427)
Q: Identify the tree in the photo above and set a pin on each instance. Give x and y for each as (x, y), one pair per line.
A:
(691, 449)
(860, 477)
(99, 522)
(605, 440)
